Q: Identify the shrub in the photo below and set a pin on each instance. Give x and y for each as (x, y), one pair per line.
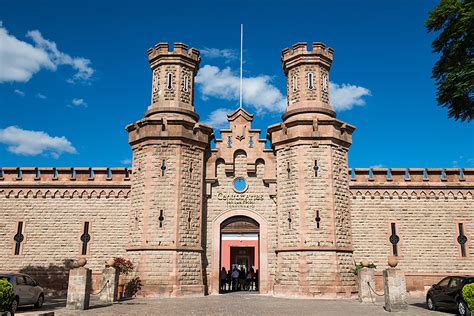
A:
(123, 265)
(6, 294)
(468, 295)
(359, 266)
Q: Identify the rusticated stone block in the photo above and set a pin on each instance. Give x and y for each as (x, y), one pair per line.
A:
(78, 292)
(366, 284)
(395, 290)
(110, 279)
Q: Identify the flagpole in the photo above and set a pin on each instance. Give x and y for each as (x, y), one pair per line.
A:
(241, 58)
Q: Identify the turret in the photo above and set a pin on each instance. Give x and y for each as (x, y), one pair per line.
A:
(307, 72)
(173, 79)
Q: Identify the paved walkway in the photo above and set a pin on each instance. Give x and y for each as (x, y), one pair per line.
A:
(234, 304)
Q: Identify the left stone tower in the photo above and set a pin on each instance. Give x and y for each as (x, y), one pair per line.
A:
(168, 144)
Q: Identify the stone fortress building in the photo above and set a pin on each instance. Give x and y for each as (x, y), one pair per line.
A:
(184, 203)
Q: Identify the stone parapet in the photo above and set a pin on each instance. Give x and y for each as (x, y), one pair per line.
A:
(162, 52)
(299, 53)
(71, 175)
(410, 175)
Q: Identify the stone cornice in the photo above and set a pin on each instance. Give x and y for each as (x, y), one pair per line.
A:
(315, 249)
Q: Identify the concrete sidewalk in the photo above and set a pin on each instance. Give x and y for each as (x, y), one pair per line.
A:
(234, 304)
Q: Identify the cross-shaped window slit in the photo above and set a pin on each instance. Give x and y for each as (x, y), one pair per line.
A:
(189, 220)
(394, 239)
(85, 238)
(315, 168)
(318, 219)
(161, 218)
(163, 167)
(18, 238)
(462, 239)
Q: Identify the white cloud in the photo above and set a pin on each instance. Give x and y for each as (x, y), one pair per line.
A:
(125, 161)
(20, 60)
(19, 92)
(261, 94)
(227, 54)
(32, 143)
(41, 96)
(80, 64)
(218, 118)
(78, 102)
(346, 96)
(258, 91)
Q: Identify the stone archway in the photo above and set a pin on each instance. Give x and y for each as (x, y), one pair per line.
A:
(216, 248)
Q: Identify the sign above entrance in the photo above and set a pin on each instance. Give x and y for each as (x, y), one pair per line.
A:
(245, 200)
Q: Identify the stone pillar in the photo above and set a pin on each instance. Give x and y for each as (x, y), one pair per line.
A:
(78, 291)
(366, 282)
(110, 279)
(395, 290)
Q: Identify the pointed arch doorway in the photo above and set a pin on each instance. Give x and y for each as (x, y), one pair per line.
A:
(226, 251)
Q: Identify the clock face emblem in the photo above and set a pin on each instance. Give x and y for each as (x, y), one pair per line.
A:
(240, 185)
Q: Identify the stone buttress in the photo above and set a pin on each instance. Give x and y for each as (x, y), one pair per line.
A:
(314, 253)
(168, 144)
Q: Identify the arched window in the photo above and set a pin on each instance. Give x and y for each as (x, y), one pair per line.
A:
(295, 83)
(169, 84)
(310, 81)
(186, 83)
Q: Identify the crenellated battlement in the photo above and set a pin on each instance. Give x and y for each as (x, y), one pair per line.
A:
(179, 49)
(317, 51)
(43, 175)
(407, 175)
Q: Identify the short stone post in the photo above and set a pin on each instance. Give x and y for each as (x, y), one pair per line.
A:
(109, 289)
(366, 284)
(78, 291)
(395, 288)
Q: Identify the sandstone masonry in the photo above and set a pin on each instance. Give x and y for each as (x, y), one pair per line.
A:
(316, 217)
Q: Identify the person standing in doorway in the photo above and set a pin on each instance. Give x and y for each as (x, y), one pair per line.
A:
(223, 279)
(235, 278)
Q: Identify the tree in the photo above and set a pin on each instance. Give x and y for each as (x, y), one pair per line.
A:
(454, 71)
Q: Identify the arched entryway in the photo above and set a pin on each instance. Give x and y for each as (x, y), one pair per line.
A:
(237, 222)
(240, 251)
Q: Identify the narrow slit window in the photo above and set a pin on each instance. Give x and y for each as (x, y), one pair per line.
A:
(169, 83)
(394, 239)
(295, 83)
(318, 219)
(289, 220)
(163, 168)
(186, 84)
(324, 80)
(229, 142)
(85, 238)
(161, 218)
(462, 240)
(310, 81)
(18, 238)
(315, 168)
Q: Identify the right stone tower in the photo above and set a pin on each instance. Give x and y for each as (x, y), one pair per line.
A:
(314, 252)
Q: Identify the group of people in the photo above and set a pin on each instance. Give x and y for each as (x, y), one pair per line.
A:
(239, 279)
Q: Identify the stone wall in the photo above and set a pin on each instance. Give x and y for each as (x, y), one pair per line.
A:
(218, 205)
(426, 207)
(53, 205)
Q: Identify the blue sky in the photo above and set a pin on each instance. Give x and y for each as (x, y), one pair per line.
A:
(73, 74)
